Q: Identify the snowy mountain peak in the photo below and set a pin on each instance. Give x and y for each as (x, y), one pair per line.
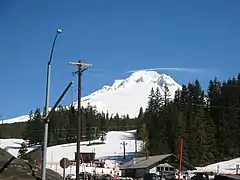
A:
(149, 76)
(126, 96)
(144, 76)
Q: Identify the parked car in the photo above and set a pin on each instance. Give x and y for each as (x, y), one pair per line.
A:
(200, 176)
(70, 177)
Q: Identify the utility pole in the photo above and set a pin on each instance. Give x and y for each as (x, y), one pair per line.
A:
(124, 149)
(95, 133)
(135, 144)
(72, 95)
(81, 68)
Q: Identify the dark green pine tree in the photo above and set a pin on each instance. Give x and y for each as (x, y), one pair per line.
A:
(72, 126)
(103, 136)
(149, 120)
(140, 120)
(22, 153)
(144, 134)
(175, 127)
(166, 95)
(92, 121)
(58, 125)
(216, 114)
(163, 105)
(102, 122)
(156, 123)
(116, 119)
(141, 113)
(34, 128)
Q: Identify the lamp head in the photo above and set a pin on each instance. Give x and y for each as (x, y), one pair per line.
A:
(59, 31)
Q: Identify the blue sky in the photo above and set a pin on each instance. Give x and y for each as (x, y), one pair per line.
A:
(115, 36)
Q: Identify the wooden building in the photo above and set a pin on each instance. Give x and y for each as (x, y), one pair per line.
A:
(138, 167)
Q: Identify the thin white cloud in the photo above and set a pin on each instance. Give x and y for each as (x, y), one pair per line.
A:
(188, 70)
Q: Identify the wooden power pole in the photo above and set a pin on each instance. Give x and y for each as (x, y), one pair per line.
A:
(81, 68)
(124, 149)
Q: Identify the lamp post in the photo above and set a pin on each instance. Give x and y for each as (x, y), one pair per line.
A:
(44, 154)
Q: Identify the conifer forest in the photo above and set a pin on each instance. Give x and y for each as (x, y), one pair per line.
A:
(208, 121)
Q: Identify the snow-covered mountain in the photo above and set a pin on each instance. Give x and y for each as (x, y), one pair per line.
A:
(125, 96)
(23, 118)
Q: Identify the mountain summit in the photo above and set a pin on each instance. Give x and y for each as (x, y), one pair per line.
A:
(126, 96)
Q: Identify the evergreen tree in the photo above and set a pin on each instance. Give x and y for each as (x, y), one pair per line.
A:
(88, 133)
(34, 128)
(72, 125)
(22, 153)
(145, 138)
(103, 136)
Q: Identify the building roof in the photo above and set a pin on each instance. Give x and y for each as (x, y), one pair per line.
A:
(142, 162)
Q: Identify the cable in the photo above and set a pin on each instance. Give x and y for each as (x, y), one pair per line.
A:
(84, 128)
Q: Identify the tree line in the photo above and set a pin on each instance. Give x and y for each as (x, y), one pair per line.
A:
(63, 126)
(208, 121)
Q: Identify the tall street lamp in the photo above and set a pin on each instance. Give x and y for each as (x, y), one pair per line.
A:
(44, 154)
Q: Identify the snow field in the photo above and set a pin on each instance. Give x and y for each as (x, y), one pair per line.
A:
(13, 145)
(111, 151)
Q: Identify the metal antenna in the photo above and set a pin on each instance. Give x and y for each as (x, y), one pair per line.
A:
(81, 68)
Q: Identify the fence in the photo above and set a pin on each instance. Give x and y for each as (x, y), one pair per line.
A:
(55, 166)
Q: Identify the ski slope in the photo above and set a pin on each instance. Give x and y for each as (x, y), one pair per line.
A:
(111, 151)
(13, 145)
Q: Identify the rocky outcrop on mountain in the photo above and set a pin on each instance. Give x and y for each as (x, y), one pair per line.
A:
(12, 168)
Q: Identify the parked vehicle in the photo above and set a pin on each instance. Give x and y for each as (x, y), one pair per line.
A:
(200, 176)
(150, 176)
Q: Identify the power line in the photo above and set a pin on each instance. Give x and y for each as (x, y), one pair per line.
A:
(85, 128)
